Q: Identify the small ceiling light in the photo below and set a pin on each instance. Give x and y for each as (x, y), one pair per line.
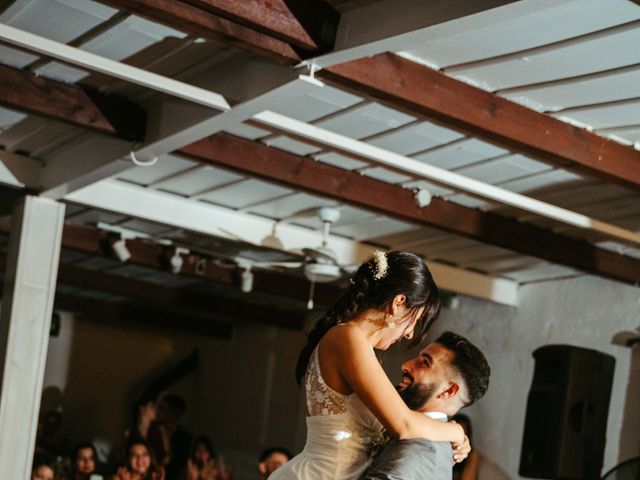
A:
(176, 261)
(120, 250)
(246, 279)
(423, 197)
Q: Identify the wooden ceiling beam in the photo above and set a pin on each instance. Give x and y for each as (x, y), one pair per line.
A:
(108, 114)
(308, 24)
(258, 160)
(196, 21)
(410, 86)
(97, 242)
(151, 293)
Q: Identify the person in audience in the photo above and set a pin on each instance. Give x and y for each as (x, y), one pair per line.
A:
(144, 414)
(202, 463)
(140, 464)
(271, 459)
(44, 468)
(170, 441)
(83, 461)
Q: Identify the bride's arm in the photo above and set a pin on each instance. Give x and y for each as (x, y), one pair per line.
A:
(358, 366)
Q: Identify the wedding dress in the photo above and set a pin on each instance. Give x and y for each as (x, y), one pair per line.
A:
(340, 431)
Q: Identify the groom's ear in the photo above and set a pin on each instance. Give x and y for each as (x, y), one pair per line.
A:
(450, 390)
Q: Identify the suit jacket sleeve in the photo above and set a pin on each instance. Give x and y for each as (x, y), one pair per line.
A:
(412, 460)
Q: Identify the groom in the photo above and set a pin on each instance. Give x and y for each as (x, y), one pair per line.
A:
(446, 376)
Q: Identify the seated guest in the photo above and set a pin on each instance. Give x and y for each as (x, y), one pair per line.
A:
(447, 375)
(170, 440)
(140, 463)
(272, 459)
(83, 461)
(44, 468)
(202, 463)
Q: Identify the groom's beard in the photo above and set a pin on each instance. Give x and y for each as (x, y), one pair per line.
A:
(417, 394)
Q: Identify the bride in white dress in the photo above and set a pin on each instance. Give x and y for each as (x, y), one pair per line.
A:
(349, 397)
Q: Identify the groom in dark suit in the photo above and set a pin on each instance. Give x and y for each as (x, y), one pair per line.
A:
(446, 376)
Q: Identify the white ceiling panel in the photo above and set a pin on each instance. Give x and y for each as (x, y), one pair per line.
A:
(341, 161)
(291, 145)
(606, 116)
(587, 56)
(555, 23)
(588, 90)
(625, 135)
(245, 193)
(197, 180)
(367, 120)
(60, 20)
(61, 73)
(9, 118)
(503, 169)
(290, 205)
(542, 272)
(468, 201)
(416, 236)
(317, 104)
(386, 175)
(415, 138)
(460, 154)
(542, 181)
(372, 228)
(15, 58)
(165, 166)
(247, 131)
(125, 39)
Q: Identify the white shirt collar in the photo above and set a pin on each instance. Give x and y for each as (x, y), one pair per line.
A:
(437, 415)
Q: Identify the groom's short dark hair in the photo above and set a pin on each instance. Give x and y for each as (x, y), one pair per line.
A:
(469, 362)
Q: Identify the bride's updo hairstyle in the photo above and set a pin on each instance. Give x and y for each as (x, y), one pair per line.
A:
(375, 285)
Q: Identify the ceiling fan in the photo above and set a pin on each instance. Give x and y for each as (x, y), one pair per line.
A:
(319, 264)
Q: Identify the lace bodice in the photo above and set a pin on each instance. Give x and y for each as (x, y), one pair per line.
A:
(321, 399)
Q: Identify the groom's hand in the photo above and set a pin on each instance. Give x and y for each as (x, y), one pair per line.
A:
(461, 450)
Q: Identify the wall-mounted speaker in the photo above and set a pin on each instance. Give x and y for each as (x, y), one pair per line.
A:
(567, 409)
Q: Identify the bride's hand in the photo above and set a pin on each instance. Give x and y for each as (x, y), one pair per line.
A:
(461, 450)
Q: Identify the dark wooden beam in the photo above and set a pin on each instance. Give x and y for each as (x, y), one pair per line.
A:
(152, 293)
(109, 114)
(308, 24)
(97, 242)
(434, 95)
(111, 313)
(258, 160)
(196, 21)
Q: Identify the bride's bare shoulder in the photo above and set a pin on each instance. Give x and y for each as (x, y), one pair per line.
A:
(343, 336)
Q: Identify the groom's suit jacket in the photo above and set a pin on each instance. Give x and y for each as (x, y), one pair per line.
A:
(415, 459)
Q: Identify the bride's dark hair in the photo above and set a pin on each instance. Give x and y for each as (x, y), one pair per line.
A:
(406, 274)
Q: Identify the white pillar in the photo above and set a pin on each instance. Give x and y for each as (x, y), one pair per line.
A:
(27, 304)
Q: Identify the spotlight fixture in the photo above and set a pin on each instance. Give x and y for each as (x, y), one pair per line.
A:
(246, 279)
(423, 197)
(176, 261)
(120, 250)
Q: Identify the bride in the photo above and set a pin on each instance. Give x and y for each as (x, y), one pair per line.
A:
(349, 397)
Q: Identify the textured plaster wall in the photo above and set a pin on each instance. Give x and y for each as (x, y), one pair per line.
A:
(585, 312)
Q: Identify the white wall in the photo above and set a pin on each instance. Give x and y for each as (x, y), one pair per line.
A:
(585, 312)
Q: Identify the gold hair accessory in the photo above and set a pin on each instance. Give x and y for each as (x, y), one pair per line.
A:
(380, 265)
